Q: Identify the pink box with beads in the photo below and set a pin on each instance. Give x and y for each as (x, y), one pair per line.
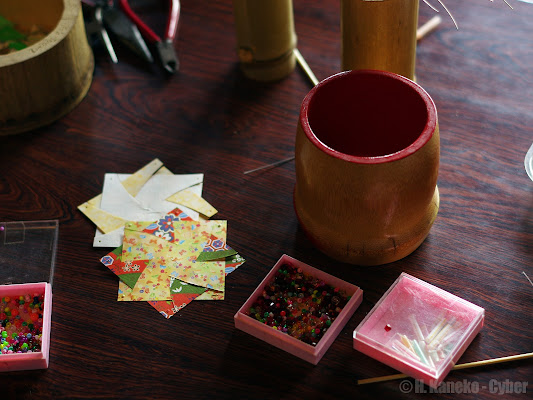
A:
(419, 329)
(27, 258)
(303, 328)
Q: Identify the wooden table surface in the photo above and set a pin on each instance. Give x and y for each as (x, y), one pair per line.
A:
(209, 119)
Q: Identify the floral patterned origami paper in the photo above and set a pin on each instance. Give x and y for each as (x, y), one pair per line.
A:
(168, 250)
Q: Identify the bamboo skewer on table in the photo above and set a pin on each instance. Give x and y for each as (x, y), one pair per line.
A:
(428, 27)
(456, 367)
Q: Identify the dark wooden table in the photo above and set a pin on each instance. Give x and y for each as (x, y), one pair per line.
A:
(208, 118)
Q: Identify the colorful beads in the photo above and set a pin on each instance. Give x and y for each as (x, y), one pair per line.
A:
(21, 323)
(298, 304)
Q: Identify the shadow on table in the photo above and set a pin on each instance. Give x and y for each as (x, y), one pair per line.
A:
(248, 360)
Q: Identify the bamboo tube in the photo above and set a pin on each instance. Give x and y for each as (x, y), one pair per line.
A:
(379, 34)
(265, 38)
(48, 79)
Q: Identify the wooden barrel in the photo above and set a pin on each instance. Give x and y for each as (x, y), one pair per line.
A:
(46, 80)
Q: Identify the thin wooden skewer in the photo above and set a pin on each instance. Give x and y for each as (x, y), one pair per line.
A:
(527, 278)
(458, 366)
(303, 64)
(270, 165)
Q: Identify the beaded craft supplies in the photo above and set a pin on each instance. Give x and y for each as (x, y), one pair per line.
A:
(299, 309)
(299, 305)
(21, 323)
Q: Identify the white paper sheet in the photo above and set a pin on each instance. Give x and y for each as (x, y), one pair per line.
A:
(148, 205)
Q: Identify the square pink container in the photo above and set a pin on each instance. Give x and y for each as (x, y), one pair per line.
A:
(37, 360)
(284, 341)
(419, 329)
(27, 259)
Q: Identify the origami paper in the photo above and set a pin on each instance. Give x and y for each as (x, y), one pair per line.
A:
(169, 261)
(233, 262)
(132, 183)
(114, 261)
(193, 201)
(170, 307)
(215, 248)
(139, 245)
(182, 294)
(155, 192)
(149, 205)
(128, 272)
(105, 221)
(178, 287)
(136, 197)
(153, 284)
(207, 274)
(211, 294)
(164, 227)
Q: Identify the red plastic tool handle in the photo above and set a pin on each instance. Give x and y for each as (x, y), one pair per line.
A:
(173, 18)
(172, 21)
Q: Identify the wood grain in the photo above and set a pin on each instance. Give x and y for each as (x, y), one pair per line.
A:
(208, 118)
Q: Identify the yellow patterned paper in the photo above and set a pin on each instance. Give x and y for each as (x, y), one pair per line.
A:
(208, 274)
(136, 181)
(191, 237)
(105, 221)
(108, 222)
(153, 284)
(211, 294)
(194, 202)
(139, 245)
(200, 231)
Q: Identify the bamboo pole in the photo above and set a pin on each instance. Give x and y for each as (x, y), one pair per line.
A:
(379, 34)
(265, 38)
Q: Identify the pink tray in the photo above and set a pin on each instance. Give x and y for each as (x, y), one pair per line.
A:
(419, 329)
(37, 360)
(290, 344)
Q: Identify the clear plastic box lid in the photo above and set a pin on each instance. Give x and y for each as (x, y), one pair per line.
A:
(28, 251)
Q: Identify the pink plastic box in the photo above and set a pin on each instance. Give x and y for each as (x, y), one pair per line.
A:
(419, 329)
(27, 258)
(286, 342)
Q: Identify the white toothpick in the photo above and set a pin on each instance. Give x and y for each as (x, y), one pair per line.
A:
(510, 6)
(527, 277)
(433, 8)
(449, 13)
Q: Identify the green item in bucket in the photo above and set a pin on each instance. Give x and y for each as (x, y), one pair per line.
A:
(10, 38)
(8, 31)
